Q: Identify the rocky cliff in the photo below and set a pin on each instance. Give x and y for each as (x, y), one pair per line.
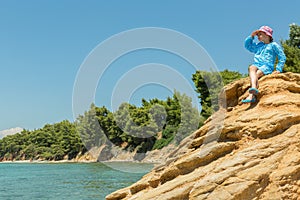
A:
(244, 151)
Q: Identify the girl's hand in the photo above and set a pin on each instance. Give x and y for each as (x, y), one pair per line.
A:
(276, 72)
(254, 33)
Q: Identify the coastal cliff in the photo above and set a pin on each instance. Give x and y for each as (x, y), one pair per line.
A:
(243, 151)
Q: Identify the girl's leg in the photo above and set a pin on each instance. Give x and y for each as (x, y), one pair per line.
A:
(259, 74)
(254, 74)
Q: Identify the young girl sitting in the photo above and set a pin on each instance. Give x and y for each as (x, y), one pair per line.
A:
(265, 53)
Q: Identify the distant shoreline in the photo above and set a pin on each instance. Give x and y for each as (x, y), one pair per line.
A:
(71, 161)
(47, 161)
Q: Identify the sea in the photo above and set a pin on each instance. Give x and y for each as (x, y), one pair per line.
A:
(82, 181)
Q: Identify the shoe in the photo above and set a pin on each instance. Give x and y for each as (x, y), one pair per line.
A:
(253, 91)
(253, 100)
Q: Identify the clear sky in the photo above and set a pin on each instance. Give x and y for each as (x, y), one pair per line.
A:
(44, 43)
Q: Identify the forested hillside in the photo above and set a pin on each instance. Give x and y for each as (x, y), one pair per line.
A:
(153, 125)
(65, 140)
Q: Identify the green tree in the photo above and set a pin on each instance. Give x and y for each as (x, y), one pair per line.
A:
(89, 129)
(108, 125)
(189, 120)
(52, 142)
(138, 127)
(182, 119)
(209, 86)
(292, 50)
(158, 115)
(122, 118)
(68, 141)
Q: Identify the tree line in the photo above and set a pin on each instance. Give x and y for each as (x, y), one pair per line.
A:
(153, 125)
(52, 142)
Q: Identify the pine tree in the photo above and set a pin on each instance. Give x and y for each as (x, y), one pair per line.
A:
(209, 86)
(292, 50)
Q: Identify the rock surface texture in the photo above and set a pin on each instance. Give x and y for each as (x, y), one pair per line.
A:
(244, 151)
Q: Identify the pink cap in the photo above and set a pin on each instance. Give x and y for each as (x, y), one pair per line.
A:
(267, 30)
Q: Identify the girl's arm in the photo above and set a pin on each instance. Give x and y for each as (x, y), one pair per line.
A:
(250, 45)
(281, 57)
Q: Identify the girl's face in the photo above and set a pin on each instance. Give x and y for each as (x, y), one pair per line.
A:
(263, 37)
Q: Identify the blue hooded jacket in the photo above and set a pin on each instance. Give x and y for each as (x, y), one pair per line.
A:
(265, 55)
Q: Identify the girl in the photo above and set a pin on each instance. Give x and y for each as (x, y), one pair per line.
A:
(265, 53)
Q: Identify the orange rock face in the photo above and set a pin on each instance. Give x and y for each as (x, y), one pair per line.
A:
(244, 151)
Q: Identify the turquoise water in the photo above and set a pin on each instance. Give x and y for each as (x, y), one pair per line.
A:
(66, 180)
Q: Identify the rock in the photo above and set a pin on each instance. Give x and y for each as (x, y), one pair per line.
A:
(243, 151)
(114, 153)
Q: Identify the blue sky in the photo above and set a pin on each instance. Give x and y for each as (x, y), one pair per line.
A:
(44, 43)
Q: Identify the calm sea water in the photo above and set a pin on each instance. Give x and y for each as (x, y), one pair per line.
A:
(66, 180)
